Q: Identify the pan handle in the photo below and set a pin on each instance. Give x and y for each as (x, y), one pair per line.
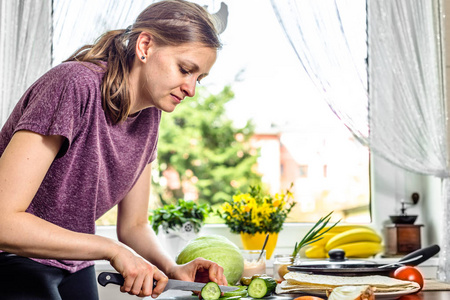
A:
(425, 254)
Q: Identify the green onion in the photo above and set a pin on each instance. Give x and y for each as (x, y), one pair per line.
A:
(314, 234)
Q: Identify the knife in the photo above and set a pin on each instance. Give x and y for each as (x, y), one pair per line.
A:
(108, 277)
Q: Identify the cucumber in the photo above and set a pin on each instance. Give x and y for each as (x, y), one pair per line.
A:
(230, 298)
(261, 286)
(210, 291)
(241, 292)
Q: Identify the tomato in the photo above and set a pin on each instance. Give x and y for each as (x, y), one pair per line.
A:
(410, 297)
(410, 274)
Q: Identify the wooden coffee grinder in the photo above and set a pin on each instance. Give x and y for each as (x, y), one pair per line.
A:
(403, 236)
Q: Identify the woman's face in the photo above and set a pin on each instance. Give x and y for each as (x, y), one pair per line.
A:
(169, 74)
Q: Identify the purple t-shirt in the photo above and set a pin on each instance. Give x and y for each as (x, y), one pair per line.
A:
(99, 162)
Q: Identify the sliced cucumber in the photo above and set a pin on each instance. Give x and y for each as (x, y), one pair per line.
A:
(211, 291)
(241, 292)
(261, 286)
(230, 298)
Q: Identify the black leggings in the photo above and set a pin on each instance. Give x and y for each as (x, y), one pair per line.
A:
(24, 279)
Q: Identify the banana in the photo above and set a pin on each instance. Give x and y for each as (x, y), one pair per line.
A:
(325, 238)
(315, 252)
(342, 228)
(361, 249)
(352, 236)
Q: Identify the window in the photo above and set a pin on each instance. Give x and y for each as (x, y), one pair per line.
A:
(296, 137)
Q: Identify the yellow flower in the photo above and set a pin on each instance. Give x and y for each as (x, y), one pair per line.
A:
(256, 211)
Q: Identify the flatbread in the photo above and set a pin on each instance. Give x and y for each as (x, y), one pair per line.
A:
(296, 281)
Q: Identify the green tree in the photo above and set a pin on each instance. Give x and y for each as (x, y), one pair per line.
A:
(201, 144)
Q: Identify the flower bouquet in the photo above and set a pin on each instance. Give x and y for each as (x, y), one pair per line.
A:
(257, 213)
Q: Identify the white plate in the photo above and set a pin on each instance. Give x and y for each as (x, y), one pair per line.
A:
(395, 295)
(386, 296)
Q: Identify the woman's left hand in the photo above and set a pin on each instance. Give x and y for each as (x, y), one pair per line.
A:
(199, 270)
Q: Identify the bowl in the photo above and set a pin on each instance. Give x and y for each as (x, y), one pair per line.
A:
(403, 219)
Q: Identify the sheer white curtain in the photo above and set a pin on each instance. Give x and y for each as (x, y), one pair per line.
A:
(402, 118)
(80, 22)
(331, 53)
(38, 34)
(35, 33)
(25, 48)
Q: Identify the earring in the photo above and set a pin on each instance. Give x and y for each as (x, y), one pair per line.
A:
(143, 57)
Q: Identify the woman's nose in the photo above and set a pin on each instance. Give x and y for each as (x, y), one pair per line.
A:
(188, 87)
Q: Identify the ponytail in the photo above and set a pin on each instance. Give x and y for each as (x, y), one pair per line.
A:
(169, 22)
(115, 89)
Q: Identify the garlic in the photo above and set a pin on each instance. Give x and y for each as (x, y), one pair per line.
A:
(352, 293)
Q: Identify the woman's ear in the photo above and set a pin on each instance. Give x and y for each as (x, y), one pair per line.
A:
(143, 45)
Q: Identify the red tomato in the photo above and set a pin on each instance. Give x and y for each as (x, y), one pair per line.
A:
(411, 297)
(410, 274)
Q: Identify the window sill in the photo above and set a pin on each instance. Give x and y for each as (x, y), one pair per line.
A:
(284, 246)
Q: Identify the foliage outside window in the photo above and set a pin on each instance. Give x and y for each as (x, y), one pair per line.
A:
(201, 155)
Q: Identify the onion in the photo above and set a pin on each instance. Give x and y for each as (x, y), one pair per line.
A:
(352, 293)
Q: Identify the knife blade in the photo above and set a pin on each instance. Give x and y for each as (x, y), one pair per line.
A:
(109, 277)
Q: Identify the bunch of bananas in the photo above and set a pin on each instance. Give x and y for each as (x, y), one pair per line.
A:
(356, 240)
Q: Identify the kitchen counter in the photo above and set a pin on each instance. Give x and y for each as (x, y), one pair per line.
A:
(433, 290)
(428, 269)
(425, 295)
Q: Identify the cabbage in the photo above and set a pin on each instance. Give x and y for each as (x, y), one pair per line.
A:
(217, 249)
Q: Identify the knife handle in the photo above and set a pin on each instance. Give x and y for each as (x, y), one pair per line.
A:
(425, 254)
(115, 278)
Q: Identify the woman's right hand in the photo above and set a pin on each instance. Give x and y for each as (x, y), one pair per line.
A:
(138, 274)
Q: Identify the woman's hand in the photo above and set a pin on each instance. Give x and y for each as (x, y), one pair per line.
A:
(138, 274)
(199, 270)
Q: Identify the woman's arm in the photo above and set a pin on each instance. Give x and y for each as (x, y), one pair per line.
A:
(133, 229)
(23, 166)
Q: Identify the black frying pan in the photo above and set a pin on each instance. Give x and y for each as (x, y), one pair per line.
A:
(339, 265)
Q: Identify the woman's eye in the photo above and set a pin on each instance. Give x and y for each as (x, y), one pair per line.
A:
(184, 71)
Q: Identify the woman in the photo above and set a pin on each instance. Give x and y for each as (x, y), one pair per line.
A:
(82, 139)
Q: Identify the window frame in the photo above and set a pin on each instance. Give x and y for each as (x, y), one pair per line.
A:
(388, 182)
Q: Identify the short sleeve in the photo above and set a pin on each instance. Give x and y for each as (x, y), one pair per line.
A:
(54, 104)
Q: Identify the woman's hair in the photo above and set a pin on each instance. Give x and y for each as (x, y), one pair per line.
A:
(170, 23)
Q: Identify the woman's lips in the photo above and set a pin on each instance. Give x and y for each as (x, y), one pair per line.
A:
(176, 98)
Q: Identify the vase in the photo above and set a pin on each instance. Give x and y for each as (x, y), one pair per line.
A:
(256, 241)
(174, 240)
